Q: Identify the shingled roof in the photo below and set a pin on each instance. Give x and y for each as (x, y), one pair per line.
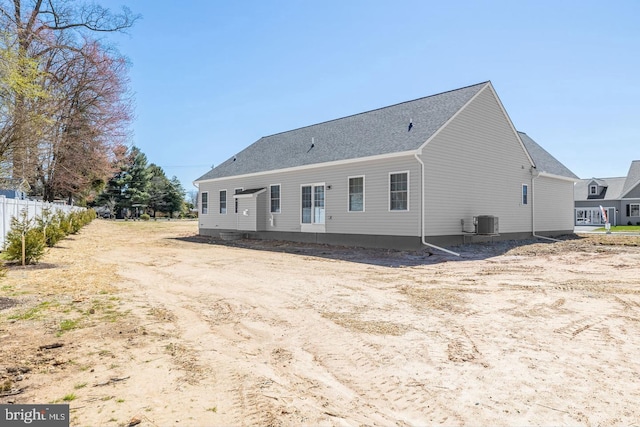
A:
(544, 161)
(398, 128)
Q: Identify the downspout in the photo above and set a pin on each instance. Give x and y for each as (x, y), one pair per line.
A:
(533, 208)
(422, 227)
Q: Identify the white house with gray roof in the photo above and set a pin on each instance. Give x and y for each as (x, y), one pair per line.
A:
(437, 170)
(618, 196)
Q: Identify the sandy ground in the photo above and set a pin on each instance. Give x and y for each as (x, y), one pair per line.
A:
(158, 326)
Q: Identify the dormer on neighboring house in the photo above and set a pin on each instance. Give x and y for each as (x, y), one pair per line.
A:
(597, 189)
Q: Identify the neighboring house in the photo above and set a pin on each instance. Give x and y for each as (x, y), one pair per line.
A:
(429, 171)
(14, 188)
(619, 198)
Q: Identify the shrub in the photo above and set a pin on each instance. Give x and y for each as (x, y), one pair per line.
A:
(145, 217)
(34, 241)
(49, 225)
(64, 222)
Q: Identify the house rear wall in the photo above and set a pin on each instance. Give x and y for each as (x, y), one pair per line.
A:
(375, 220)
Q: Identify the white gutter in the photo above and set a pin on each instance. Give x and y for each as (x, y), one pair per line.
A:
(422, 227)
(533, 207)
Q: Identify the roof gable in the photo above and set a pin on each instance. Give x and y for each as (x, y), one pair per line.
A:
(398, 128)
(633, 178)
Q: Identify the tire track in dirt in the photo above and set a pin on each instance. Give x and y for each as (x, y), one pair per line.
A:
(275, 357)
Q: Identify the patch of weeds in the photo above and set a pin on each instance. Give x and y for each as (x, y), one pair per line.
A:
(107, 309)
(105, 398)
(119, 400)
(68, 325)
(79, 386)
(69, 397)
(5, 386)
(33, 312)
(213, 409)
(113, 366)
(115, 315)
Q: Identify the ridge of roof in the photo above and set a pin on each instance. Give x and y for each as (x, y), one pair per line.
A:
(397, 128)
(376, 109)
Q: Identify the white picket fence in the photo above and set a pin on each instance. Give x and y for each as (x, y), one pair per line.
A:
(10, 208)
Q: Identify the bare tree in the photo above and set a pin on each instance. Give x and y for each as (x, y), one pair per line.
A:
(50, 32)
(89, 117)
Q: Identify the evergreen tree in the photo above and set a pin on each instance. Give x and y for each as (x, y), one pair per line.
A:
(158, 190)
(136, 194)
(175, 196)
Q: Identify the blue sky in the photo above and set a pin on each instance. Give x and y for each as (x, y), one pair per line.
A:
(212, 77)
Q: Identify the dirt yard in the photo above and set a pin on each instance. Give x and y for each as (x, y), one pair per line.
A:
(147, 323)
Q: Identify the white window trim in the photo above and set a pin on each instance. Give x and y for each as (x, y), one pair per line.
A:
(235, 200)
(280, 192)
(313, 227)
(522, 195)
(593, 187)
(631, 210)
(226, 201)
(363, 193)
(208, 203)
(408, 191)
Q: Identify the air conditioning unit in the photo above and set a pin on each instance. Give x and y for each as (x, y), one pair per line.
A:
(486, 224)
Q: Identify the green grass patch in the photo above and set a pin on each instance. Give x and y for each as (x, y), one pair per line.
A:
(615, 228)
(69, 397)
(80, 385)
(34, 312)
(68, 325)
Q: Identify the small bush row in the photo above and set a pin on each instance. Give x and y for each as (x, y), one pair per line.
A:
(41, 232)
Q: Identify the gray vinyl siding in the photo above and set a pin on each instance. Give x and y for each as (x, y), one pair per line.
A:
(554, 209)
(624, 218)
(618, 218)
(376, 218)
(476, 166)
(633, 194)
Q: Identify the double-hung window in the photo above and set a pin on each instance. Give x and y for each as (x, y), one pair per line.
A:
(274, 194)
(356, 194)
(223, 201)
(204, 203)
(525, 194)
(399, 191)
(634, 209)
(593, 190)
